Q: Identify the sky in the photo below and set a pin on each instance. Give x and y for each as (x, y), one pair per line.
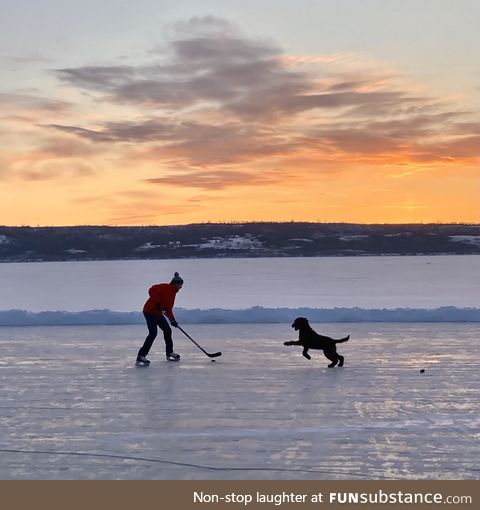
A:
(159, 112)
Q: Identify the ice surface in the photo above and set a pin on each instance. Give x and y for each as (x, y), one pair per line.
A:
(317, 282)
(73, 406)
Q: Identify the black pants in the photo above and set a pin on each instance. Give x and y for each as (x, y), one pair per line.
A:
(154, 322)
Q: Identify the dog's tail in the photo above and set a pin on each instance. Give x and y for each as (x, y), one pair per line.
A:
(342, 340)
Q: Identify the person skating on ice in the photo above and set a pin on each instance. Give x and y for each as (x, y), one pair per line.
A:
(158, 306)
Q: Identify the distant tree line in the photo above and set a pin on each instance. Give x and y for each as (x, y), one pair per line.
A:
(259, 239)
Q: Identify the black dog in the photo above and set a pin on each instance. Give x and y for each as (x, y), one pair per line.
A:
(310, 339)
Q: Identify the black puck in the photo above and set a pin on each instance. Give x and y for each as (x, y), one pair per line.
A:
(422, 370)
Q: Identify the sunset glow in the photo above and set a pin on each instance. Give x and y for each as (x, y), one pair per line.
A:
(209, 119)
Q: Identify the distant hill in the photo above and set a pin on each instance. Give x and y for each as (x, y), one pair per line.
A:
(208, 240)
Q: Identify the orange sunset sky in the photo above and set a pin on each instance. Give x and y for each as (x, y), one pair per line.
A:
(159, 112)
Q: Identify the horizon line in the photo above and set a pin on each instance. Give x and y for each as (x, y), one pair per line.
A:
(260, 222)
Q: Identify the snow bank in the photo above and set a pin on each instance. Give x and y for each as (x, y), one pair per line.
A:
(256, 314)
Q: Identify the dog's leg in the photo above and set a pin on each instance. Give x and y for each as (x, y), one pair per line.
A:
(333, 358)
(292, 343)
(342, 359)
(305, 353)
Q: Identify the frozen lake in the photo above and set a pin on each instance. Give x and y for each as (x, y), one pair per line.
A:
(319, 282)
(73, 406)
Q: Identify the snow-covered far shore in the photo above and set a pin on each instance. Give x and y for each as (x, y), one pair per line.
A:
(254, 315)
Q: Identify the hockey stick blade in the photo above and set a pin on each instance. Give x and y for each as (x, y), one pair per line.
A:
(214, 355)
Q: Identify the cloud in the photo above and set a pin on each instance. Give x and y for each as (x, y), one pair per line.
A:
(52, 158)
(426, 138)
(129, 207)
(210, 62)
(196, 144)
(100, 78)
(59, 148)
(213, 101)
(215, 180)
(207, 145)
(204, 64)
(135, 131)
(52, 170)
(21, 103)
(463, 149)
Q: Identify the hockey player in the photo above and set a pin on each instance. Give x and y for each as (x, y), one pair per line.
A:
(158, 307)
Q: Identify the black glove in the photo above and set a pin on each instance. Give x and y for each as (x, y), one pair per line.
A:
(174, 323)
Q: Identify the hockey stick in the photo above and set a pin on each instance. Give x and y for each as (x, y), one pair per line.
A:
(214, 355)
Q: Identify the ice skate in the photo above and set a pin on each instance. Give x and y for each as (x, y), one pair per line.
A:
(142, 361)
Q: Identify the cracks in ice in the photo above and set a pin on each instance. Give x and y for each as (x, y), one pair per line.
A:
(197, 466)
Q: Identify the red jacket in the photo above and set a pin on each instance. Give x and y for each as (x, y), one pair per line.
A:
(162, 299)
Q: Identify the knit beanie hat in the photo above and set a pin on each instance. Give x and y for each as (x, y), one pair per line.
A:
(176, 280)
